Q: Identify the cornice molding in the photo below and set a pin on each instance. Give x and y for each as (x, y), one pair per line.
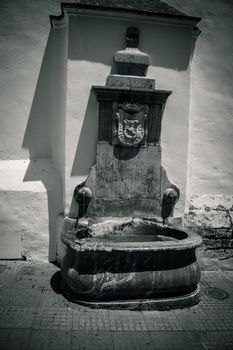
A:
(196, 32)
(134, 15)
(106, 93)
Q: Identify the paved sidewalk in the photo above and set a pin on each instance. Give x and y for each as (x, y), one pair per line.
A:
(35, 316)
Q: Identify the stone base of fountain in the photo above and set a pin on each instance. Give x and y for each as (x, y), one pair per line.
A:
(130, 263)
(143, 304)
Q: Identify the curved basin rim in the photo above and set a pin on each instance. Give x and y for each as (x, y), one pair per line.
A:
(192, 241)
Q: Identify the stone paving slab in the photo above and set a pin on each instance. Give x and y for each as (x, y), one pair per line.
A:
(33, 315)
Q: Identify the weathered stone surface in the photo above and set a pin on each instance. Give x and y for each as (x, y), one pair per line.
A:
(136, 177)
(130, 82)
(131, 260)
(213, 233)
(127, 182)
(131, 61)
(209, 219)
(219, 243)
(214, 202)
(212, 217)
(219, 233)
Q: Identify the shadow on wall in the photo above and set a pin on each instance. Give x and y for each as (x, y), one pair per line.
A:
(100, 39)
(37, 135)
(90, 42)
(38, 141)
(84, 153)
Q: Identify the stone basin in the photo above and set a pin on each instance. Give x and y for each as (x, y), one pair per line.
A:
(130, 260)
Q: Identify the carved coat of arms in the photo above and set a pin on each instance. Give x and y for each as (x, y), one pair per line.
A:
(129, 124)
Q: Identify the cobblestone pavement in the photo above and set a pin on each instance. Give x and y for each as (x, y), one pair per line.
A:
(35, 316)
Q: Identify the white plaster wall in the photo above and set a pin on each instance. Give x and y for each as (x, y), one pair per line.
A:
(211, 123)
(23, 120)
(30, 198)
(31, 127)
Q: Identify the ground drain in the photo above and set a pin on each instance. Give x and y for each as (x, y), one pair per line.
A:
(216, 293)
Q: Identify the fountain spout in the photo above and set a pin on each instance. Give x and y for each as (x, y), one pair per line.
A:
(170, 197)
(82, 195)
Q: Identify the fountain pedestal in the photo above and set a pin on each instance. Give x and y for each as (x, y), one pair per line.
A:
(115, 259)
(128, 179)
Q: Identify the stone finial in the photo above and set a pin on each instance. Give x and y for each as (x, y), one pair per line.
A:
(131, 61)
(132, 37)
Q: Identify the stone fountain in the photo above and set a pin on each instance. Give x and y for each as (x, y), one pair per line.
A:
(119, 252)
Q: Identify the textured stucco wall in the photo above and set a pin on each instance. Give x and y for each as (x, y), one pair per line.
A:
(211, 122)
(210, 163)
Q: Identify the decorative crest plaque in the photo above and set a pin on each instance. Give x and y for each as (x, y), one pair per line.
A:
(130, 127)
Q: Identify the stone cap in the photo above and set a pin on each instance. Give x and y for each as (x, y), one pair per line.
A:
(132, 61)
(126, 81)
(119, 94)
